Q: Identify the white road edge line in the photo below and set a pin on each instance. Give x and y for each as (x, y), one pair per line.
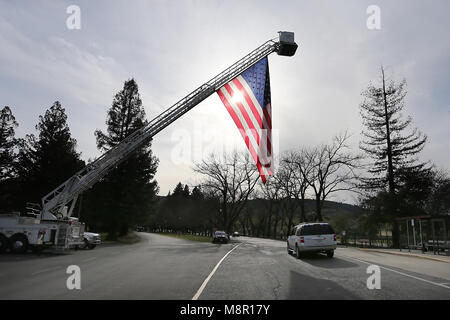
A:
(404, 274)
(46, 270)
(89, 259)
(202, 287)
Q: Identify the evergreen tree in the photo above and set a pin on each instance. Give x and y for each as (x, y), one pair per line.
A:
(46, 161)
(125, 196)
(8, 142)
(387, 140)
(186, 191)
(178, 191)
(391, 145)
(197, 193)
(414, 192)
(439, 200)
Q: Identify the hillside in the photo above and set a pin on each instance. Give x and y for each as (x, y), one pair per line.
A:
(330, 210)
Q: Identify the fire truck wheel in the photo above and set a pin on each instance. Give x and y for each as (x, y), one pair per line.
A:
(19, 243)
(3, 243)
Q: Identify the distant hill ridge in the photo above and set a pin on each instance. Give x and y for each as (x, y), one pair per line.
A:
(329, 209)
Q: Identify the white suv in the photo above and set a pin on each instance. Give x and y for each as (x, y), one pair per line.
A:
(312, 237)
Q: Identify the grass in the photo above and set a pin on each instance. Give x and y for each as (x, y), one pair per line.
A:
(130, 238)
(189, 237)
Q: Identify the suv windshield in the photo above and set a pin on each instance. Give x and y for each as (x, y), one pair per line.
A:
(314, 229)
(220, 233)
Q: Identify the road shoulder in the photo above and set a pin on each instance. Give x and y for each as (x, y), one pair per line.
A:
(445, 259)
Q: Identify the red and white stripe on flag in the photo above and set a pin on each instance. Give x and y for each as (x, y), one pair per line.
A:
(253, 121)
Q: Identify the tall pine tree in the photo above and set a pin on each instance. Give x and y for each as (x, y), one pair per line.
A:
(391, 144)
(8, 124)
(126, 195)
(8, 156)
(46, 161)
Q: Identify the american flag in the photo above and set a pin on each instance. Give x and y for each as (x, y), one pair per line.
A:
(247, 99)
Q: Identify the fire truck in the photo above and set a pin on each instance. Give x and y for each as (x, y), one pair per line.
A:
(52, 224)
(36, 231)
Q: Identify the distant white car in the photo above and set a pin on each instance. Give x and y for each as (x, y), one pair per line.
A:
(91, 240)
(312, 237)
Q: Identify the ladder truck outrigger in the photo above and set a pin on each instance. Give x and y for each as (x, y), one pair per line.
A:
(52, 225)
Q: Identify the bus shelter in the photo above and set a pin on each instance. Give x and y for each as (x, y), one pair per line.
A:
(426, 233)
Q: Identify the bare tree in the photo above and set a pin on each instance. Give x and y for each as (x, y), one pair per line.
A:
(301, 166)
(333, 169)
(232, 180)
(272, 193)
(287, 180)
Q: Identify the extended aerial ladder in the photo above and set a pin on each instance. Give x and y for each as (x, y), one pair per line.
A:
(55, 204)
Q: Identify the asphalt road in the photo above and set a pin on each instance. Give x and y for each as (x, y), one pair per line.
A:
(161, 267)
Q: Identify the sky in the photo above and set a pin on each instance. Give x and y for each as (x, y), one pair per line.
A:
(172, 47)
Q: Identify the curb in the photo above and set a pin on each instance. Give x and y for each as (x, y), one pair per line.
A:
(406, 255)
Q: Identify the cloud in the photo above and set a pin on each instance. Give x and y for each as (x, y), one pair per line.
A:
(57, 63)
